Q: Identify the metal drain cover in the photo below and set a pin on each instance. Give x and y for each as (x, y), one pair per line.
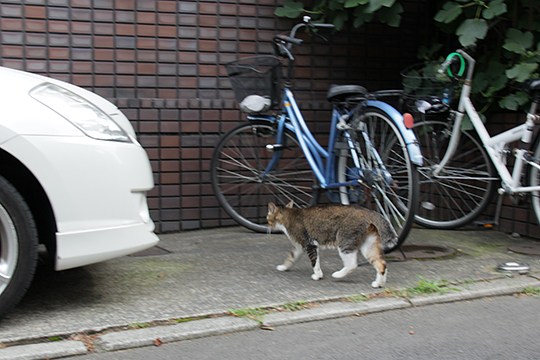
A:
(514, 267)
(412, 251)
(527, 249)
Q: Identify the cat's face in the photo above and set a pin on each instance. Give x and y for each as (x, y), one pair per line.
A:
(274, 216)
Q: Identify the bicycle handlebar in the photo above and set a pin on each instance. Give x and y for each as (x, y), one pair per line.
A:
(459, 56)
(284, 43)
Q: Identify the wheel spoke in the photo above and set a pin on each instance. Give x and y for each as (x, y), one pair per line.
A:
(242, 178)
(463, 188)
(390, 180)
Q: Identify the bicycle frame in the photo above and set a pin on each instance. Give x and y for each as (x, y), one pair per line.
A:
(494, 145)
(321, 160)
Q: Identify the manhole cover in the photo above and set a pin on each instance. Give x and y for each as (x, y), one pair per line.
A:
(412, 251)
(153, 251)
(526, 249)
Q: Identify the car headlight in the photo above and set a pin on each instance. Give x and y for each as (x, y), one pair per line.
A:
(90, 119)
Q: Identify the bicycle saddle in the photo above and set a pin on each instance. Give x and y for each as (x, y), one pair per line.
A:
(533, 84)
(342, 92)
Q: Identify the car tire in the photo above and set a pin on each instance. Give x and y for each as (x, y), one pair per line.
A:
(18, 246)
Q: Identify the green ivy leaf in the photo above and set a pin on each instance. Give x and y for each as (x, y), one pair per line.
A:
(488, 81)
(291, 9)
(355, 3)
(495, 8)
(449, 12)
(375, 5)
(522, 71)
(361, 17)
(517, 41)
(514, 101)
(392, 15)
(425, 52)
(339, 20)
(472, 30)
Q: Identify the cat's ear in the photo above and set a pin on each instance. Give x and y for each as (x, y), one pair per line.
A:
(290, 205)
(272, 208)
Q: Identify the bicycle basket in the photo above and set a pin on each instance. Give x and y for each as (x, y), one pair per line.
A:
(425, 90)
(258, 75)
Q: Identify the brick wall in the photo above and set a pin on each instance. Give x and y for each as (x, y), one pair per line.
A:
(161, 63)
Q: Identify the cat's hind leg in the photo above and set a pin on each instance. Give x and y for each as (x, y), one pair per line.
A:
(313, 252)
(372, 251)
(291, 258)
(350, 262)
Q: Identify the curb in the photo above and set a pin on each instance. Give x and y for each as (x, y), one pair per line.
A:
(222, 324)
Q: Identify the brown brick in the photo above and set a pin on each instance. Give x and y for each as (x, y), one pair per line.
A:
(124, 4)
(81, 27)
(58, 26)
(146, 30)
(208, 20)
(15, 51)
(167, 6)
(167, 31)
(146, 17)
(38, 12)
(226, 9)
(59, 53)
(11, 24)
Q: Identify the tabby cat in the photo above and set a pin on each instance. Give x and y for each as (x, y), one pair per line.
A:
(346, 228)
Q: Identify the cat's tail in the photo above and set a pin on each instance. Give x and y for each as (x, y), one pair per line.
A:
(389, 237)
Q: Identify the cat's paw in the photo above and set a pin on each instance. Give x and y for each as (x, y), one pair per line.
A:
(316, 276)
(339, 274)
(377, 284)
(282, 268)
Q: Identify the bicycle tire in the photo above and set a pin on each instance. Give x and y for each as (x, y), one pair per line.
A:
(459, 194)
(534, 179)
(395, 197)
(238, 176)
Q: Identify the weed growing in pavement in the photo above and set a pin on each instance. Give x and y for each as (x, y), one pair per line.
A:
(258, 313)
(250, 313)
(428, 287)
(358, 298)
(294, 306)
(139, 325)
(55, 338)
(531, 291)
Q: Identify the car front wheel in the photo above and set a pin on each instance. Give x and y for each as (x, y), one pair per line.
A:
(18, 246)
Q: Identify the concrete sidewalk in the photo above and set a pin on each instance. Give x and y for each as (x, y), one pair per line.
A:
(202, 275)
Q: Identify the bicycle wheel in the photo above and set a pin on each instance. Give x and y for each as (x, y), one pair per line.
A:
(462, 191)
(245, 180)
(534, 179)
(390, 189)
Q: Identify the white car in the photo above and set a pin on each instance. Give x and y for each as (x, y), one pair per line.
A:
(73, 180)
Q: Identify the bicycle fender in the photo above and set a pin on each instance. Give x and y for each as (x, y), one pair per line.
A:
(408, 134)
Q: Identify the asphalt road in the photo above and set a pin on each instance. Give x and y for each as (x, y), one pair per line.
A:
(490, 328)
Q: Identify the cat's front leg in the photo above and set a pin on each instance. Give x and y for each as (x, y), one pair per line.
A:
(313, 253)
(291, 258)
(350, 262)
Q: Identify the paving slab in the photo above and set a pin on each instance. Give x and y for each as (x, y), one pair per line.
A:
(210, 272)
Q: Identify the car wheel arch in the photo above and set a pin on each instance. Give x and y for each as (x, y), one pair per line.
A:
(34, 195)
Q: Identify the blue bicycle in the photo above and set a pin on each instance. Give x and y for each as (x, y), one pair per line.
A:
(371, 158)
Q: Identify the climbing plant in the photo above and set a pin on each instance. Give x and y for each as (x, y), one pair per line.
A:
(503, 36)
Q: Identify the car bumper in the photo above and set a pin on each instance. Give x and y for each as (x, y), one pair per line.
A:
(97, 190)
(88, 247)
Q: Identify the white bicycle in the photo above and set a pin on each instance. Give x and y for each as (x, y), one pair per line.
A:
(463, 168)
